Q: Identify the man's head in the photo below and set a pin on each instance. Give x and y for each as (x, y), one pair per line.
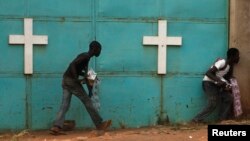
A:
(95, 48)
(233, 55)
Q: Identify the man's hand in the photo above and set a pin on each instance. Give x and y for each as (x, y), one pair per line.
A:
(221, 83)
(228, 87)
(82, 81)
(224, 85)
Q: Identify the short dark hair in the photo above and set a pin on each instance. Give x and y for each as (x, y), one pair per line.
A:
(94, 44)
(232, 52)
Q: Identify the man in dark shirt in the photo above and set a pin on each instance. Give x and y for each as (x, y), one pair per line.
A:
(72, 85)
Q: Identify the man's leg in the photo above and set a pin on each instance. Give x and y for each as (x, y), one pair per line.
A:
(211, 91)
(63, 109)
(226, 105)
(85, 99)
(96, 118)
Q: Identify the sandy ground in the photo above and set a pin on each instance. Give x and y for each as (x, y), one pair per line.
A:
(156, 133)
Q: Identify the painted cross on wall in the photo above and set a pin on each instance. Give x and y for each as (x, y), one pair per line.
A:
(28, 39)
(162, 40)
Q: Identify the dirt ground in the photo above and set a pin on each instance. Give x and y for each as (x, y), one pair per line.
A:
(187, 132)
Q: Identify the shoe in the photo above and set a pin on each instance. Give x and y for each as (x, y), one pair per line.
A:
(68, 125)
(55, 130)
(104, 125)
(196, 122)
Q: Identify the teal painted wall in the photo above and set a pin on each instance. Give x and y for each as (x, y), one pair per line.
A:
(131, 92)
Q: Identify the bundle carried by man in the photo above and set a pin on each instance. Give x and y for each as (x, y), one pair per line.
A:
(94, 81)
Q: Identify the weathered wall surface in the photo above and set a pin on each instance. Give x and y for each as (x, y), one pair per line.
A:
(240, 38)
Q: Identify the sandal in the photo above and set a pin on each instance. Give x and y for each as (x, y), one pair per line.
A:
(56, 131)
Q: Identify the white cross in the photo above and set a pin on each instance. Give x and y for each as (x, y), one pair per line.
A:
(162, 41)
(28, 39)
